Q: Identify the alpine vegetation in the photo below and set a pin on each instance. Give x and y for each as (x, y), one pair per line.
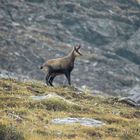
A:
(59, 66)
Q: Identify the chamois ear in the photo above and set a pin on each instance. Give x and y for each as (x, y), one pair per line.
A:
(74, 47)
(78, 47)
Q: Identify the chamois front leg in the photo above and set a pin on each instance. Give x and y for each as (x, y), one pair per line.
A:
(67, 74)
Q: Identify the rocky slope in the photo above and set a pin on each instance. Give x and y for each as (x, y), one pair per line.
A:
(32, 31)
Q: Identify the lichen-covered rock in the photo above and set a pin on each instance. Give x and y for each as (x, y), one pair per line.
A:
(82, 121)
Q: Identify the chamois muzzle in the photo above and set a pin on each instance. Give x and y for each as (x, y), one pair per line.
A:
(79, 53)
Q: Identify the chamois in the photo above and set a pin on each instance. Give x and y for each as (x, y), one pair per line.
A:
(59, 66)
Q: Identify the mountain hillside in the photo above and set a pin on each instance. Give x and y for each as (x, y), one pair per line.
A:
(32, 31)
(32, 111)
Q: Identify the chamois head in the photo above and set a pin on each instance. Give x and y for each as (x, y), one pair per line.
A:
(76, 50)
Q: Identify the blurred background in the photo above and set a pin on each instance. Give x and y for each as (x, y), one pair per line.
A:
(33, 31)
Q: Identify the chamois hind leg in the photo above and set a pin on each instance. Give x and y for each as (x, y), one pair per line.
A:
(47, 78)
(51, 80)
(67, 74)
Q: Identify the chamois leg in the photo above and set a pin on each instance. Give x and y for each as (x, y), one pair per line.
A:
(51, 80)
(47, 79)
(67, 74)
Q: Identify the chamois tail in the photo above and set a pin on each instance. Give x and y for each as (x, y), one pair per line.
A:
(41, 67)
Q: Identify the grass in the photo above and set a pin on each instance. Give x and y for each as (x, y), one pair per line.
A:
(22, 118)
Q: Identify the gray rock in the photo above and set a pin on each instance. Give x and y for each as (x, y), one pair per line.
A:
(133, 98)
(82, 121)
(109, 31)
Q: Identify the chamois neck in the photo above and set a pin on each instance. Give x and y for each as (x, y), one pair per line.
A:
(71, 55)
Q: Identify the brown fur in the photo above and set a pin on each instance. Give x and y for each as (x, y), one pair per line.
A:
(60, 66)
